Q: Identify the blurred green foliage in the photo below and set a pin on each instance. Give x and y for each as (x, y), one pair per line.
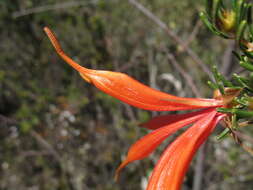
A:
(59, 132)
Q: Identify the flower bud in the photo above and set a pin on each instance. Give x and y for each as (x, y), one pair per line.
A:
(227, 21)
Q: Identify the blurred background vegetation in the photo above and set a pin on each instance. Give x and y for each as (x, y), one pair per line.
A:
(59, 132)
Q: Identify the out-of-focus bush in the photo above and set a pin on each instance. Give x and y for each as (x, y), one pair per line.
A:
(58, 132)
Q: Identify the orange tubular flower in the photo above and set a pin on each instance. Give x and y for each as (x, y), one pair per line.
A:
(171, 168)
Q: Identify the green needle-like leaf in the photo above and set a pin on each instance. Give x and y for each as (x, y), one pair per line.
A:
(209, 7)
(212, 85)
(240, 31)
(240, 113)
(246, 65)
(218, 79)
(216, 8)
(223, 134)
(239, 4)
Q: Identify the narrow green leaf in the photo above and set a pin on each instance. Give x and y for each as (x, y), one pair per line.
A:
(241, 101)
(249, 54)
(237, 55)
(239, 80)
(246, 65)
(238, 112)
(216, 8)
(240, 31)
(239, 4)
(225, 82)
(210, 26)
(234, 122)
(212, 85)
(233, 4)
(223, 134)
(218, 79)
(209, 7)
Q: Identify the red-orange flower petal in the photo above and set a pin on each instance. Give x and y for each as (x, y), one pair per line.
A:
(130, 91)
(163, 120)
(147, 144)
(171, 168)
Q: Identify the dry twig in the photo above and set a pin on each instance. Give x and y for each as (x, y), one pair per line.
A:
(170, 33)
(51, 7)
(227, 59)
(46, 145)
(188, 79)
(192, 36)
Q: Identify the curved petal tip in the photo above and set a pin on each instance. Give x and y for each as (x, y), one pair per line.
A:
(118, 170)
